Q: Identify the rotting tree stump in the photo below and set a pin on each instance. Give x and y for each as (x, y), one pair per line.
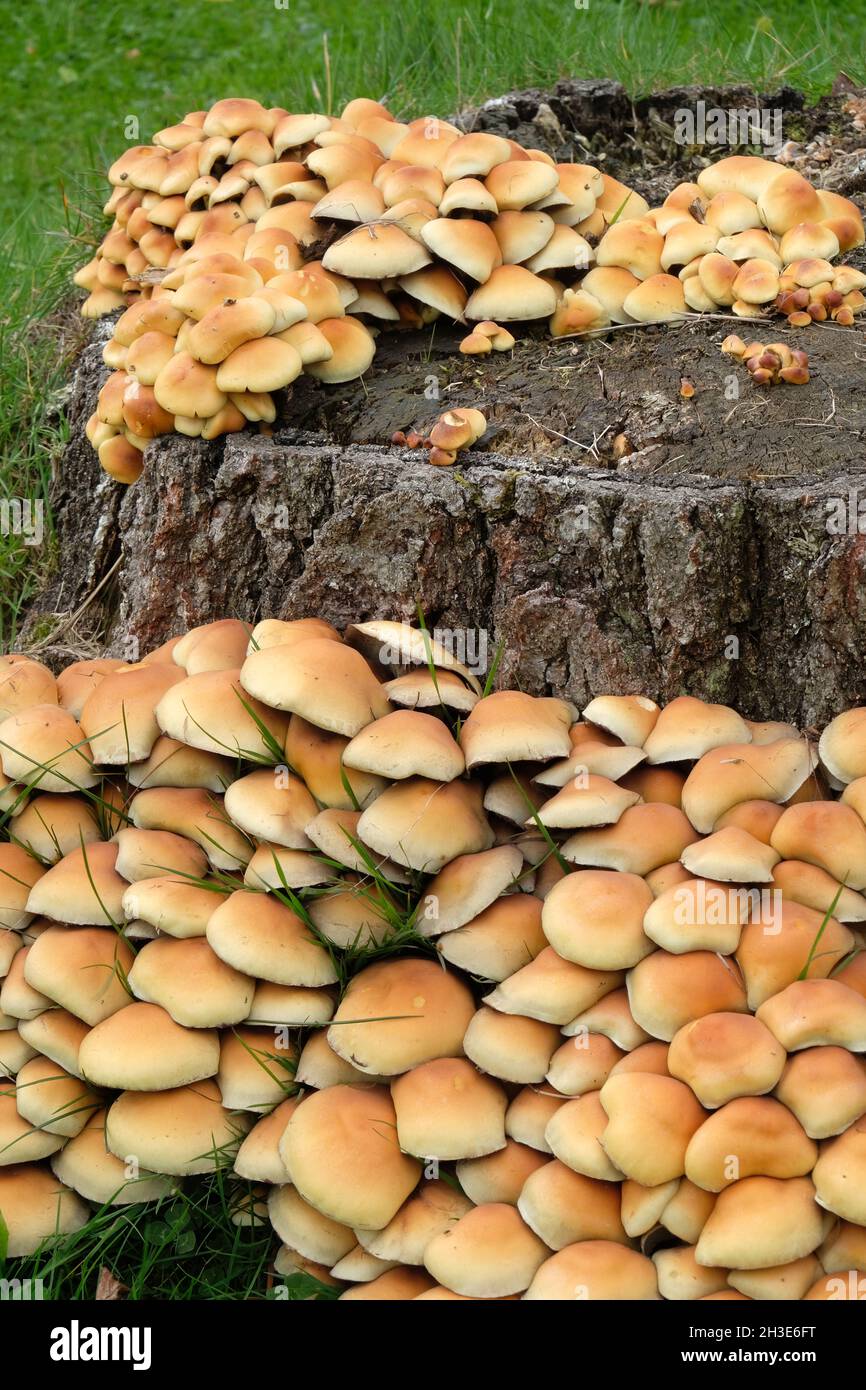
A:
(612, 534)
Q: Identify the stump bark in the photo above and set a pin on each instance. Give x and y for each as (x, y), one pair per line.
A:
(609, 532)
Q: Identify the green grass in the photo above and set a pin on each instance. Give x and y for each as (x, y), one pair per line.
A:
(185, 1246)
(84, 75)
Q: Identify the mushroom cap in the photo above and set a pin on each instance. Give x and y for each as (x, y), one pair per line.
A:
(644, 838)
(51, 1099)
(826, 833)
(610, 286)
(563, 1207)
(20, 872)
(375, 251)
(423, 824)
(758, 817)
(502, 938)
(436, 286)
(432, 1210)
(265, 939)
(632, 245)
(844, 1248)
(353, 916)
(667, 991)
(142, 1048)
(731, 212)
(510, 1046)
(465, 243)
(816, 1012)
(595, 1270)
(583, 1065)
(43, 746)
(325, 682)
(395, 1015)
(698, 915)
(752, 1135)
(651, 1120)
(825, 1087)
(744, 174)
(588, 801)
(787, 200)
(263, 364)
(761, 1221)
(187, 387)
(658, 299)
(320, 1067)
(174, 764)
(474, 155)
(528, 1115)
(82, 970)
(466, 194)
(145, 854)
(736, 772)
(499, 1176)
(716, 274)
(418, 690)
(305, 1229)
(290, 1006)
(842, 746)
(722, 1056)
(86, 1165)
(182, 1131)
(271, 804)
(511, 292)
(552, 989)
(341, 1149)
(83, 888)
(317, 757)
(687, 728)
(213, 711)
(521, 235)
(258, 1158)
(406, 743)
(447, 1109)
(595, 918)
(399, 1284)
(171, 905)
(509, 726)
(731, 855)
(37, 1207)
(188, 980)
(23, 683)
(489, 1253)
(57, 1035)
(255, 1072)
(610, 1017)
(775, 947)
(466, 887)
(757, 281)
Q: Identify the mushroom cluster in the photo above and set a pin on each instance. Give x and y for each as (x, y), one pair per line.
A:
(249, 245)
(452, 431)
(771, 363)
(470, 995)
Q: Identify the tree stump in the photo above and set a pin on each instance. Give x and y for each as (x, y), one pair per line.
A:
(610, 533)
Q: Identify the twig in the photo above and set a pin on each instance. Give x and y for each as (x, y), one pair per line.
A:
(72, 618)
